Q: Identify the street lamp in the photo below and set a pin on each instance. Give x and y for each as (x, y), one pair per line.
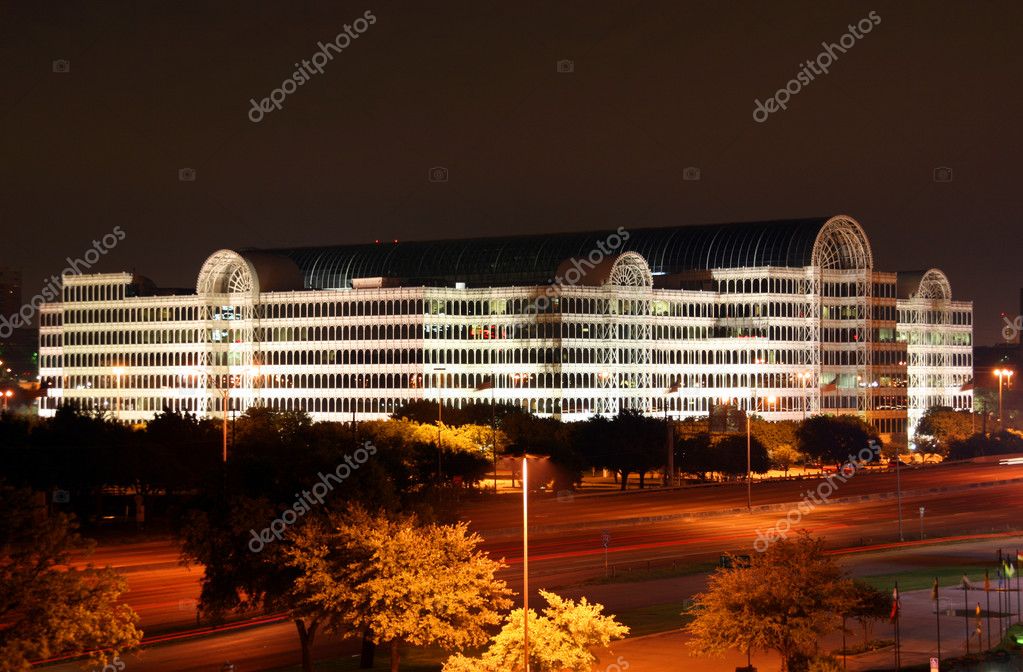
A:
(749, 441)
(804, 377)
(440, 407)
(525, 561)
(669, 436)
(491, 384)
(118, 371)
(7, 397)
(1002, 374)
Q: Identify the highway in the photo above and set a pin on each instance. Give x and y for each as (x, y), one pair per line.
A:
(565, 546)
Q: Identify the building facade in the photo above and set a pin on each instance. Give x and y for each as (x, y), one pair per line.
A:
(787, 318)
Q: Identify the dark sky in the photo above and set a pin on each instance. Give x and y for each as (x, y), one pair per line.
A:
(473, 86)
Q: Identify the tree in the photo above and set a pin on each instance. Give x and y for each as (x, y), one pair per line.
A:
(978, 445)
(784, 457)
(786, 599)
(403, 581)
(694, 454)
(868, 604)
(640, 443)
(559, 641)
(944, 426)
(300, 472)
(729, 455)
(834, 438)
(49, 607)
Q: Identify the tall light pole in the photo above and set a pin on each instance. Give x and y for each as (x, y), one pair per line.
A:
(805, 378)
(525, 561)
(669, 437)
(1002, 374)
(7, 397)
(491, 384)
(749, 441)
(440, 411)
(118, 370)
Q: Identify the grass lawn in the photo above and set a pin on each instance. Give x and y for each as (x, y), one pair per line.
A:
(920, 579)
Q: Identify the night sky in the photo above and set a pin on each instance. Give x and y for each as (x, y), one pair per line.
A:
(474, 87)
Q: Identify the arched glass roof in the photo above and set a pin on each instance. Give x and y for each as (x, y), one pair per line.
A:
(534, 259)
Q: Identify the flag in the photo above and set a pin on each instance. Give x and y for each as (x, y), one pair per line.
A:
(966, 387)
(1010, 569)
(987, 582)
(830, 387)
(895, 605)
(488, 384)
(934, 590)
(966, 583)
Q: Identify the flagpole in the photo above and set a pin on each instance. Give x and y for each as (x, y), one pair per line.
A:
(987, 591)
(1019, 612)
(898, 637)
(937, 617)
(1001, 609)
(966, 611)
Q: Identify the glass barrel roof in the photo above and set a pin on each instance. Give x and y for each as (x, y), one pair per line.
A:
(534, 259)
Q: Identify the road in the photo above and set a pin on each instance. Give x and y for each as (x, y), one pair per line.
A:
(565, 547)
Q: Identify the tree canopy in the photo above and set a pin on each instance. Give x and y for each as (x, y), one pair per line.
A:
(49, 606)
(786, 599)
(561, 640)
(834, 439)
(403, 581)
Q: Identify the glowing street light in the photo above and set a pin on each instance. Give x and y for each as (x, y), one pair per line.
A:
(7, 397)
(1002, 374)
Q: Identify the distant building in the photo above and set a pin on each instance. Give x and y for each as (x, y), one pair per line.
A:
(787, 318)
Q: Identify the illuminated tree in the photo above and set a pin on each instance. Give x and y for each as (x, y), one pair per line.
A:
(786, 600)
(943, 426)
(560, 640)
(402, 581)
(48, 607)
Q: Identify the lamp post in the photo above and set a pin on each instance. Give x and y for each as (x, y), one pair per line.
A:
(490, 384)
(669, 437)
(749, 441)
(804, 377)
(1002, 374)
(118, 370)
(440, 411)
(7, 397)
(525, 561)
